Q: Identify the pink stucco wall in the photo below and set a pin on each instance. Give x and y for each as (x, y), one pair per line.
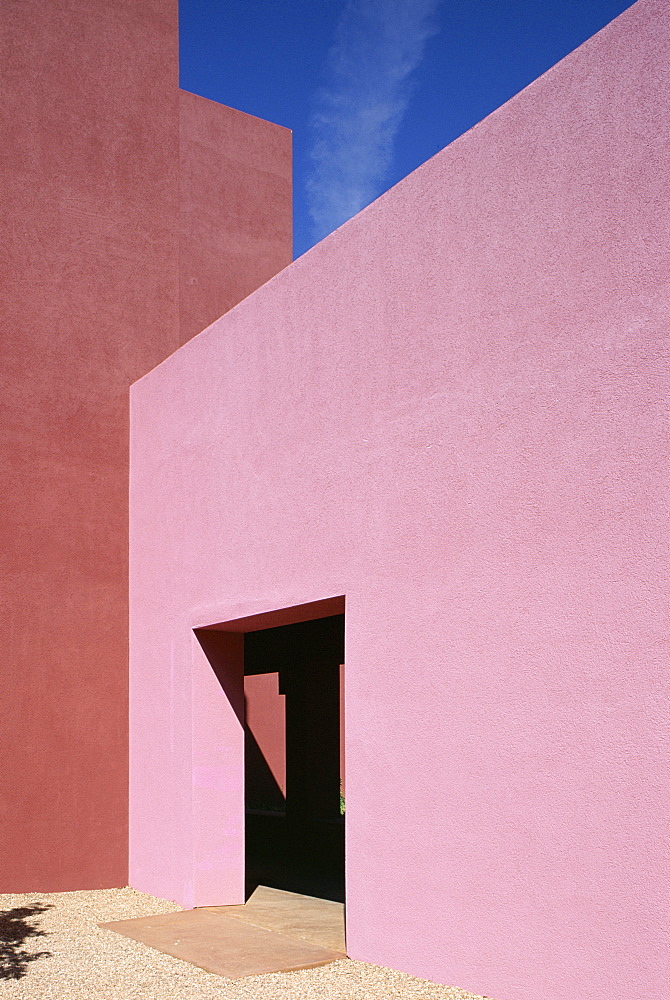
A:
(454, 412)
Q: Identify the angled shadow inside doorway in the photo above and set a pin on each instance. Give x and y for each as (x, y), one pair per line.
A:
(293, 769)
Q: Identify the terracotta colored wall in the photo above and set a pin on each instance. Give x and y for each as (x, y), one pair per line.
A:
(265, 718)
(90, 302)
(454, 411)
(293, 718)
(90, 179)
(235, 209)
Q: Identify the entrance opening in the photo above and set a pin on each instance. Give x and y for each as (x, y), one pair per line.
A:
(294, 757)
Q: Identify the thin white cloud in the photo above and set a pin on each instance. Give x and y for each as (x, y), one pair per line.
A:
(378, 45)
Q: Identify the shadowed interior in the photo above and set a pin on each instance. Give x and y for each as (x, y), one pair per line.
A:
(293, 780)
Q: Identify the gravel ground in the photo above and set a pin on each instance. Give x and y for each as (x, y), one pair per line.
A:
(52, 949)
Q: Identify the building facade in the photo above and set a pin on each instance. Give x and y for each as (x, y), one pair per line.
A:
(134, 215)
(447, 422)
(399, 509)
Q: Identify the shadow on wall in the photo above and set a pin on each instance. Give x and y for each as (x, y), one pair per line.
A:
(294, 827)
(15, 929)
(262, 790)
(284, 684)
(215, 646)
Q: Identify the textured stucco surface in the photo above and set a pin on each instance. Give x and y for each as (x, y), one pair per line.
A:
(236, 227)
(90, 296)
(91, 228)
(265, 717)
(454, 411)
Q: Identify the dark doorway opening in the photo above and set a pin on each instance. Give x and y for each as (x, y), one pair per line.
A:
(294, 775)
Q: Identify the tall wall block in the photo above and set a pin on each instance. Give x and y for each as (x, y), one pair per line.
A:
(453, 411)
(100, 156)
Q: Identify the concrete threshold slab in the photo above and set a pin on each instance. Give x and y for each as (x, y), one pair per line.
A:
(273, 932)
(319, 921)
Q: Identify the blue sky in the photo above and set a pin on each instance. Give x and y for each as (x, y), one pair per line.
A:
(372, 88)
